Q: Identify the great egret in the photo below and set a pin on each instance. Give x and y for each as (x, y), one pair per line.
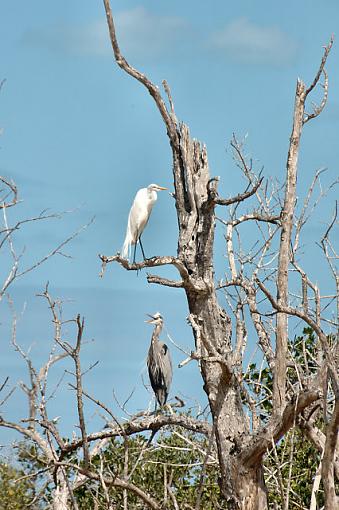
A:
(159, 362)
(138, 217)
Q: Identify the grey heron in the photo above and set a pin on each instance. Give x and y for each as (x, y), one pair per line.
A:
(138, 217)
(159, 362)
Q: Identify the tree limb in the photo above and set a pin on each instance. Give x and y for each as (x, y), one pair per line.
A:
(327, 50)
(188, 281)
(277, 427)
(327, 466)
(152, 423)
(240, 197)
(152, 89)
(115, 482)
(152, 278)
(11, 186)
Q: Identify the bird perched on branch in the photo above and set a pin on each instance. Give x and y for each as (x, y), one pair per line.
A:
(138, 217)
(159, 362)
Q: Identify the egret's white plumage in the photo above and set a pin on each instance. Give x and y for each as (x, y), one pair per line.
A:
(138, 217)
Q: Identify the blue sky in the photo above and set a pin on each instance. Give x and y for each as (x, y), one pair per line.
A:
(81, 135)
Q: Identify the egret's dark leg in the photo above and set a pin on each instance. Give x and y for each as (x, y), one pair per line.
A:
(135, 249)
(142, 249)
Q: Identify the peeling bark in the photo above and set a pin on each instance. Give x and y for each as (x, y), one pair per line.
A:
(61, 494)
(196, 220)
(287, 217)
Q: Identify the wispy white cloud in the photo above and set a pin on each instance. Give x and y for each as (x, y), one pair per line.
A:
(89, 39)
(248, 42)
(140, 33)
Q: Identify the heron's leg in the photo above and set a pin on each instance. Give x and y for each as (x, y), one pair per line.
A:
(169, 407)
(142, 249)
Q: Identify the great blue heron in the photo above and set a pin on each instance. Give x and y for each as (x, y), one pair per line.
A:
(138, 217)
(159, 362)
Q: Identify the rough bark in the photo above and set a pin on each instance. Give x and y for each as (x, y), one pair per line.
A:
(327, 470)
(287, 217)
(242, 486)
(61, 494)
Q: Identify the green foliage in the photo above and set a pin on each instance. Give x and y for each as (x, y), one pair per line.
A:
(175, 459)
(301, 470)
(259, 381)
(15, 494)
(294, 461)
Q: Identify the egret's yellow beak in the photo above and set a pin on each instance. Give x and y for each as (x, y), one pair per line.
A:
(161, 187)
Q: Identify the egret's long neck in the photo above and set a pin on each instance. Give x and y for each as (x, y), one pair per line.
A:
(152, 195)
(156, 332)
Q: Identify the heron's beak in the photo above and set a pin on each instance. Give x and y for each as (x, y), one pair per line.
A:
(152, 318)
(161, 188)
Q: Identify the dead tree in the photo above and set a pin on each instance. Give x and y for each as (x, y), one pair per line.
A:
(242, 443)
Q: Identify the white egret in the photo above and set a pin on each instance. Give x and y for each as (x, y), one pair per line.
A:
(138, 217)
(159, 362)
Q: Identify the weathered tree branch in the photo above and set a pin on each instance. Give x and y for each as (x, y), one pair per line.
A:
(31, 435)
(327, 466)
(78, 375)
(278, 426)
(279, 382)
(240, 197)
(288, 310)
(151, 423)
(152, 89)
(317, 109)
(327, 50)
(263, 336)
(197, 285)
(318, 439)
(13, 190)
(115, 482)
(152, 278)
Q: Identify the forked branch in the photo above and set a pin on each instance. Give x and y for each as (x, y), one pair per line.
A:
(188, 281)
(241, 196)
(12, 190)
(327, 50)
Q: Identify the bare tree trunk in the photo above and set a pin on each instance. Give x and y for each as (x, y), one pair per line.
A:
(328, 472)
(243, 487)
(287, 220)
(61, 493)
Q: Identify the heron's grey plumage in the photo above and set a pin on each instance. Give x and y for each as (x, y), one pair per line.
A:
(159, 363)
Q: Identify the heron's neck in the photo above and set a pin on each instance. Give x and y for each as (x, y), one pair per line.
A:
(156, 332)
